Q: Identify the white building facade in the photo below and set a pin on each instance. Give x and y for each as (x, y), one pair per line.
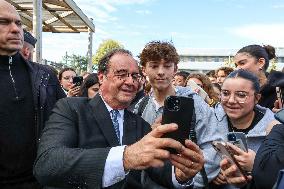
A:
(203, 60)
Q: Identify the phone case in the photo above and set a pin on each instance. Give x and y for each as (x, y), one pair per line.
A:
(179, 110)
(78, 80)
(224, 150)
(239, 139)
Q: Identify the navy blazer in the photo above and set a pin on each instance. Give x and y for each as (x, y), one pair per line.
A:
(76, 141)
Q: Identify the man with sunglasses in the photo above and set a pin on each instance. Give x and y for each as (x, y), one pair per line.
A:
(98, 143)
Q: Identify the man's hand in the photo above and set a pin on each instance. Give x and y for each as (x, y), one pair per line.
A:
(188, 162)
(150, 150)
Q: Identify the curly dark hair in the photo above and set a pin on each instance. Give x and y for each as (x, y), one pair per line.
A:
(158, 50)
(227, 70)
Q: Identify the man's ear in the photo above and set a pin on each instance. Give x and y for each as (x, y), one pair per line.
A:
(101, 77)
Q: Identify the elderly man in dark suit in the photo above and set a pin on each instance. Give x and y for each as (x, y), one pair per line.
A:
(98, 143)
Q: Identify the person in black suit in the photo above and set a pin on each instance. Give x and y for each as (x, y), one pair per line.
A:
(98, 143)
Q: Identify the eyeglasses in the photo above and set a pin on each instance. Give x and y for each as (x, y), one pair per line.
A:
(124, 74)
(239, 96)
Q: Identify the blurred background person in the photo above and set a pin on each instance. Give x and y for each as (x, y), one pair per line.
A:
(65, 77)
(85, 75)
(255, 58)
(217, 89)
(203, 81)
(180, 78)
(212, 76)
(90, 86)
(28, 46)
(222, 73)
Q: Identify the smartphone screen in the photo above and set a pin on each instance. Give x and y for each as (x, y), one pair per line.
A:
(179, 110)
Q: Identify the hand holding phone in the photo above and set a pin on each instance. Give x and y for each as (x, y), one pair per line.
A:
(225, 151)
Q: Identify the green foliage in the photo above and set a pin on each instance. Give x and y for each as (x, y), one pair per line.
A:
(272, 65)
(105, 47)
(78, 62)
(229, 62)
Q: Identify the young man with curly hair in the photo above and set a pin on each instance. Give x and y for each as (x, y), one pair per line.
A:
(159, 63)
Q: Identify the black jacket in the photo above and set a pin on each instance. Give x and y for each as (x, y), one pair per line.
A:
(46, 91)
(268, 92)
(269, 159)
(22, 116)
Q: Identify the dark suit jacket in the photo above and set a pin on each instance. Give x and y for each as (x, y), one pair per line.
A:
(76, 141)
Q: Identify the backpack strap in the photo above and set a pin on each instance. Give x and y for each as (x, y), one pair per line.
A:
(143, 104)
(192, 134)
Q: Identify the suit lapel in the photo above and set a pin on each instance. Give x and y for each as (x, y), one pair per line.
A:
(102, 117)
(129, 129)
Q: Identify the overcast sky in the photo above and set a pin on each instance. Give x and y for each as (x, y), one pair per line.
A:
(188, 23)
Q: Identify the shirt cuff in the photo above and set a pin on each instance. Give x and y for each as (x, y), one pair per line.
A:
(114, 170)
(178, 185)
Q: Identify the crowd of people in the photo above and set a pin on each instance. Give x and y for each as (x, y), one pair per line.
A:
(107, 131)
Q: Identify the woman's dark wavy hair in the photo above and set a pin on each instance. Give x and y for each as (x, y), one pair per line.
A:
(247, 75)
(90, 80)
(267, 52)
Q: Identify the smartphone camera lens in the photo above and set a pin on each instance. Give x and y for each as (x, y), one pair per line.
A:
(232, 137)
(174, 104)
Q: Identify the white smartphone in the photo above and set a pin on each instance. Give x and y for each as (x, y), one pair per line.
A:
(195, 87)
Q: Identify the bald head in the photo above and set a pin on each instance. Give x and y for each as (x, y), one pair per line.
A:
(11, 31)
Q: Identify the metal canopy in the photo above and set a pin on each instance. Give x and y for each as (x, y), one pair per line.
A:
(58, 16)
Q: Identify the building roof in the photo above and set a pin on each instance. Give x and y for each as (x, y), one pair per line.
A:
(59, 16)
